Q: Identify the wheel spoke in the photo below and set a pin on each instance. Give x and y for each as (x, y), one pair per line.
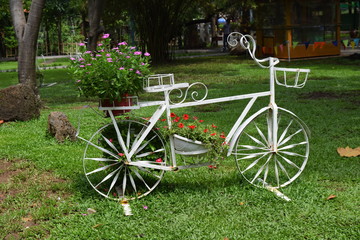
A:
(141, 178)
(253, 163)
(283, 169)
(289, 162)
(249, 147)
(149, 153)
(266, 174)
(109, 176)
(113, 182)
(110, 143)
(101, 148)
(102, 168)
(124, 182)
(285, 132)
(261, 134)
(132, 182)
(250, 155)
(128, 136)
(292, 146)
(261, 169)
(255, 140)
(289, 137)
(102, 159)
(145, 144)
(292, 154)
(276, 171)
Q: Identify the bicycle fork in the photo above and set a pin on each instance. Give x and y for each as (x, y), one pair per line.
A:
(273, 113)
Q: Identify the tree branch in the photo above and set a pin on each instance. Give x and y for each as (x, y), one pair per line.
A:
(18, 17)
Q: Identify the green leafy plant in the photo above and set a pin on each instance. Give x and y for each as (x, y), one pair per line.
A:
(110, 72)
(193, 128)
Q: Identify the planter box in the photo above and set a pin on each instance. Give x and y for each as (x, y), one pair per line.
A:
(185, 146)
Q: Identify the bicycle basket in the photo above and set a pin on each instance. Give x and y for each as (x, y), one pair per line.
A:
(158, 81)
(291, 77)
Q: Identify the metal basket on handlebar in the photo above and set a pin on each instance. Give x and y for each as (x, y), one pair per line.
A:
(291, 77)
(159, 81)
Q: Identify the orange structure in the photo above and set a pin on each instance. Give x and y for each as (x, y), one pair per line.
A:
(298, 28)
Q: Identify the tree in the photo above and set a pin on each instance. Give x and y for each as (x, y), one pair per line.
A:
(158, 22)
(95, 11)
(27, 31)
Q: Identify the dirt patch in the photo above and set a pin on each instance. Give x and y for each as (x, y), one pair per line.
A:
(25, 195)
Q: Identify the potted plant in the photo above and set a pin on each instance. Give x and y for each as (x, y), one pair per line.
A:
(110, 73)
(192, 136)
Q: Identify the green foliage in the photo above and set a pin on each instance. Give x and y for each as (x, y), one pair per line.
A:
(197, 203)
(110, 73)
(195, 129)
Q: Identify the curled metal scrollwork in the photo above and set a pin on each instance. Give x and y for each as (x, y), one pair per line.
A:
(248, 42)
(192, 95)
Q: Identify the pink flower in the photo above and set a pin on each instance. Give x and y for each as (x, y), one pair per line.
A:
(137, 53)
(82, 66)
(131, 69)
(127, 56)
(132, 48)
(108, 54)
(122, 68)
(81, 44)
(147, 54)
(98, 55)
(106, 35)
(138, 72)
(78, 81)
(123, 43)
(100, 44)
(145, 207)
(121, 154)
(142, 64)
(72, 59)
(88, 52)
(109, 59)
(89, 64)
(115, 48)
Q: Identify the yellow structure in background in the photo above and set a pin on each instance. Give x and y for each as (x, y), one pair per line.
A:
(298, 28)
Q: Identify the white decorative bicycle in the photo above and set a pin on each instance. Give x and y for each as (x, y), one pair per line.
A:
(271, 147)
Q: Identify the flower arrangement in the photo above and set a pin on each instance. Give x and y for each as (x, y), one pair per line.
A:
(110, 73)
(195, 129)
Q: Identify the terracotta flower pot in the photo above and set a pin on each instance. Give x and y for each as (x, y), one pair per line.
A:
(126, 101)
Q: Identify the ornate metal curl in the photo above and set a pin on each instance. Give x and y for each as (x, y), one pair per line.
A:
(193, 94)
(247, 42)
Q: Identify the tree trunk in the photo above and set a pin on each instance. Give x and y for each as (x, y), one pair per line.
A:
(27, 31)
(59, 33)
(95, 10)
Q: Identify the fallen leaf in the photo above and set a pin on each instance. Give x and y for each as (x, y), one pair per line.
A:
(241, 203)
(91, 211)
(349, 152)
(1, 121)
(26, 219)
(331, 197)
(97, 225)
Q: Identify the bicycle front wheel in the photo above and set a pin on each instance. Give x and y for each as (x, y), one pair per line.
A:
(256, 158)
(105, 164)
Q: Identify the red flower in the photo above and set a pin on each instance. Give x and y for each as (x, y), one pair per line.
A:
(201, 121)
(159, 160)
(121, 154)
(177, 119)
(163, 120)
(214, 126)
(206, 130)
(110, 140)
(222, 135)
(185, 116)
(181, 125)
(172, 115)
(192, 126)
(213, 134)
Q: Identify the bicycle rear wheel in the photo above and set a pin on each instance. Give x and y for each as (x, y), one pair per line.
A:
(105, 164)
(256, 160)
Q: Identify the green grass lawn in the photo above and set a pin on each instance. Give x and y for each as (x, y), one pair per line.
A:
(49, 62)
(47, 194)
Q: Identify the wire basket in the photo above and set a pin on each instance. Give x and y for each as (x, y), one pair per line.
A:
(291, 77)
(159, 81)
